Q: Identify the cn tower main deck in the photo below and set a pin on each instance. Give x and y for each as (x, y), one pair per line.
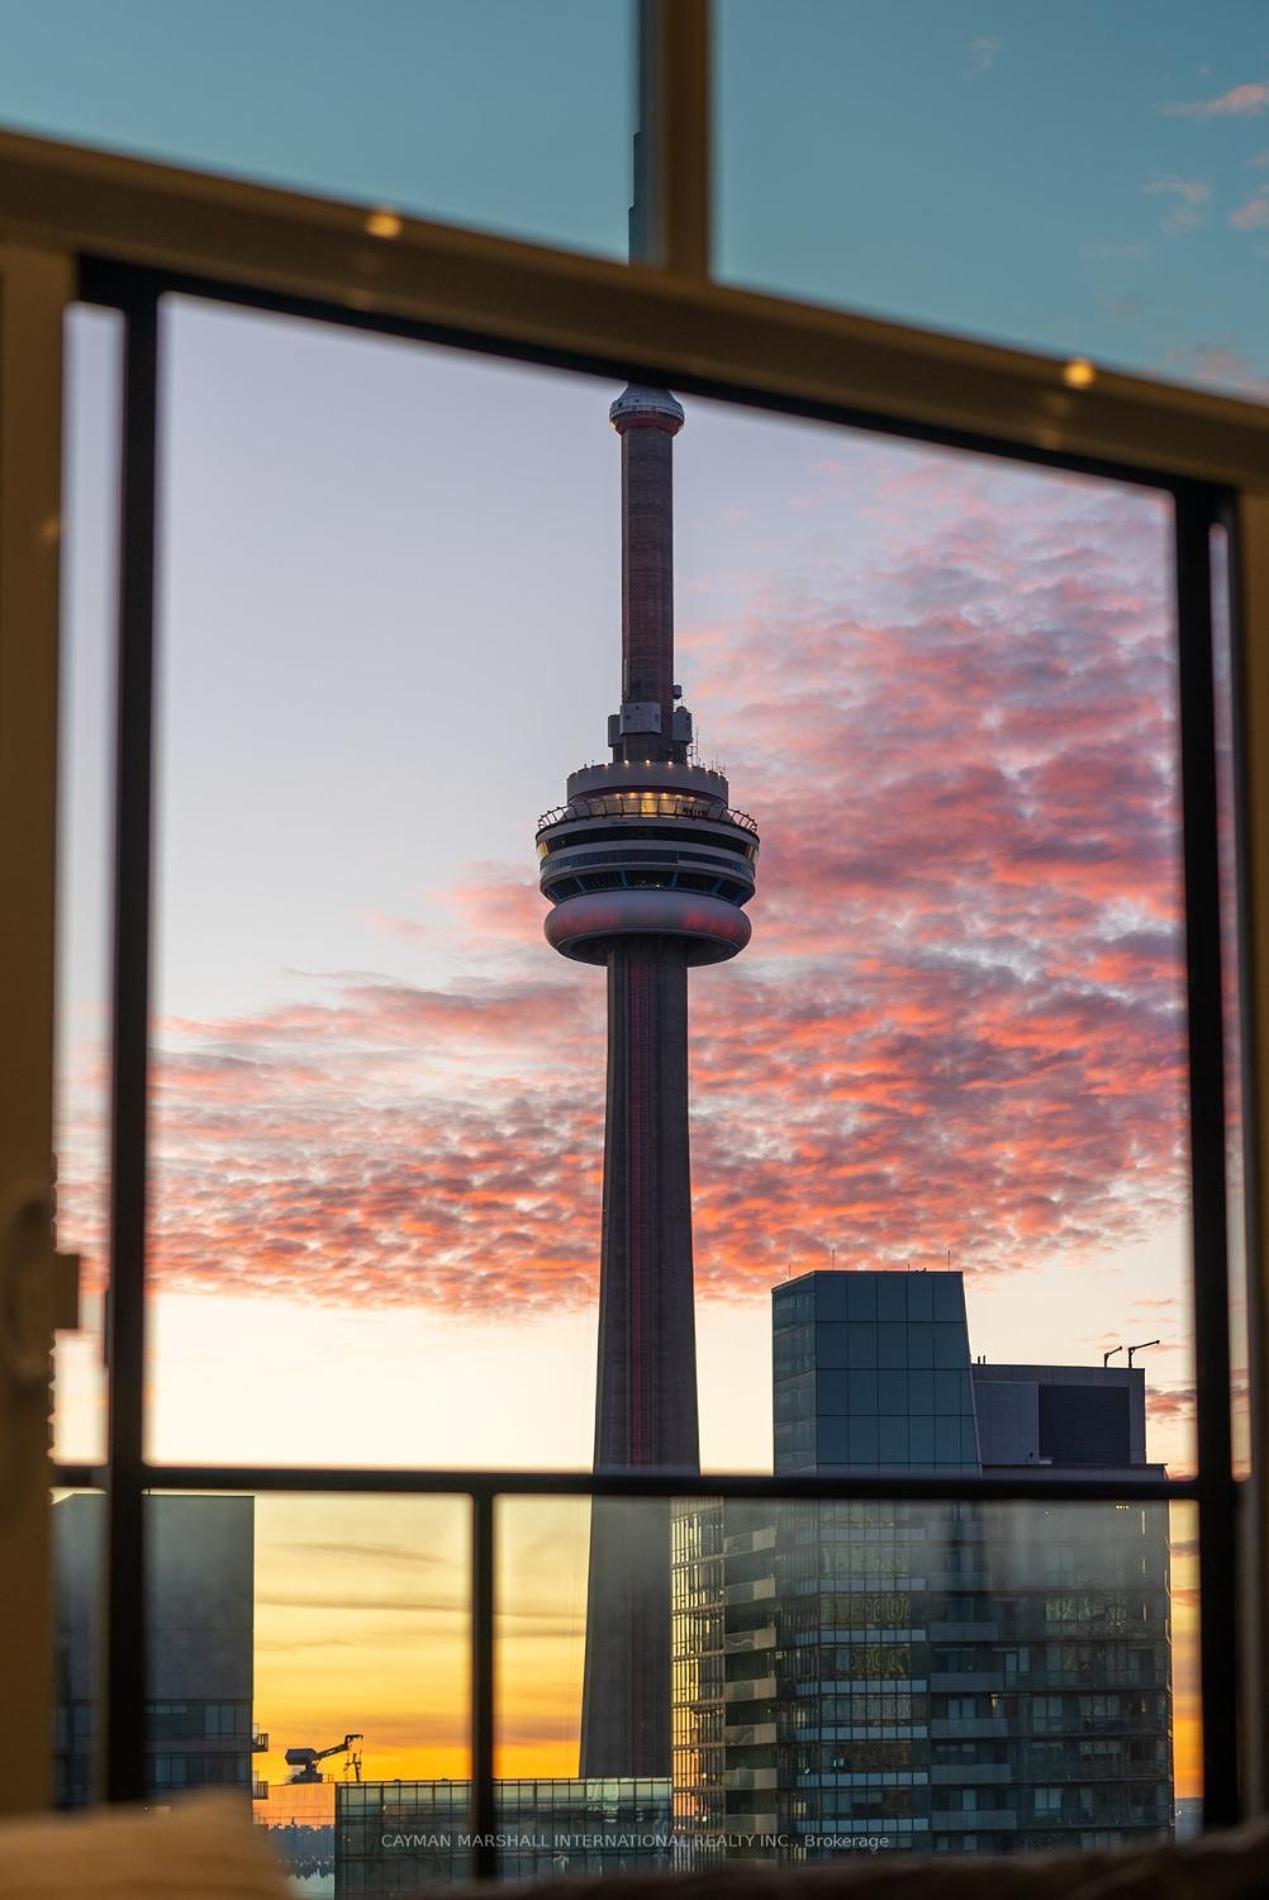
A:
(646, 848)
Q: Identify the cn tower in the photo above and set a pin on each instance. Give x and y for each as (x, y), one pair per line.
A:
(647, 870)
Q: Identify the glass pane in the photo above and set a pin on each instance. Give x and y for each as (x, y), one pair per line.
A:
(1085, 180)
(85, 843)
(947, 1076)
(382, 565)
(842, 1679)
(848, 1679)
(481, 112)
(539, 1629)
(313, 1652)
(949, 691)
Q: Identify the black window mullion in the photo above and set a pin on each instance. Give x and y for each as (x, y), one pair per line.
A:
(1026, 1486)
(1196, 513)
(484, 1817)
(125, 1661)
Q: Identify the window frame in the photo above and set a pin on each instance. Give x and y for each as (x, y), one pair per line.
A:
(124, 233)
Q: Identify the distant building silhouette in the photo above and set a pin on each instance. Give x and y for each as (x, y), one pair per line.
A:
(198, 1705)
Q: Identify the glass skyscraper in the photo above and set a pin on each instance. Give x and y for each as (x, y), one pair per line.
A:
(945, 1677)
(872, 1373)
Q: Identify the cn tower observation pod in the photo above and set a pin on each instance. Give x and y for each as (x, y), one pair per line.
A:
(647, 849)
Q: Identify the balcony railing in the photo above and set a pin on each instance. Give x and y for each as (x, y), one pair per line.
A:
(751, 1778)
(745, 1542)
(484, 1489)
(756, 1591)
(743, 1642)
(764, 1823)
(751, 1689)
(647, 805)
(750, 1735)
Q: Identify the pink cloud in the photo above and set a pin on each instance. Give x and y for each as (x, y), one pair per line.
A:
(960, 1023)
(1254, 215)
(1240, 102)
(500, 903)
(1189, 196)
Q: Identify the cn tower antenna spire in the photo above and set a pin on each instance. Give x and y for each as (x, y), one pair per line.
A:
(649, 725)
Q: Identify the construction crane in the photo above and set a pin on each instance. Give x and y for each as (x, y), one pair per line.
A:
(305, 1760)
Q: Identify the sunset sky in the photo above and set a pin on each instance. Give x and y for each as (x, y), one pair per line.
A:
(389, 628)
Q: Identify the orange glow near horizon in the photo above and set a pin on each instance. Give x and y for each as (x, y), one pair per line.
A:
(361, 1614)
(347, 1638)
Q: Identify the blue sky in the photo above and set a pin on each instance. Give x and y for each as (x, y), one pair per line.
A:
(492, 112)
(1083, 178)
(1088, 178)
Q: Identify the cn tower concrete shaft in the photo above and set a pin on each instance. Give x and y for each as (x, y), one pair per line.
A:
(645, 1414)
(647, 869)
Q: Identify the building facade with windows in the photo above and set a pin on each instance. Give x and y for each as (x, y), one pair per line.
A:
(951, 1676)
(394, 1837)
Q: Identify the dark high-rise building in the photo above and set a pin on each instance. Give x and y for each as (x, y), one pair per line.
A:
(647, 869)
(953, 1677)
(201, 1609)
